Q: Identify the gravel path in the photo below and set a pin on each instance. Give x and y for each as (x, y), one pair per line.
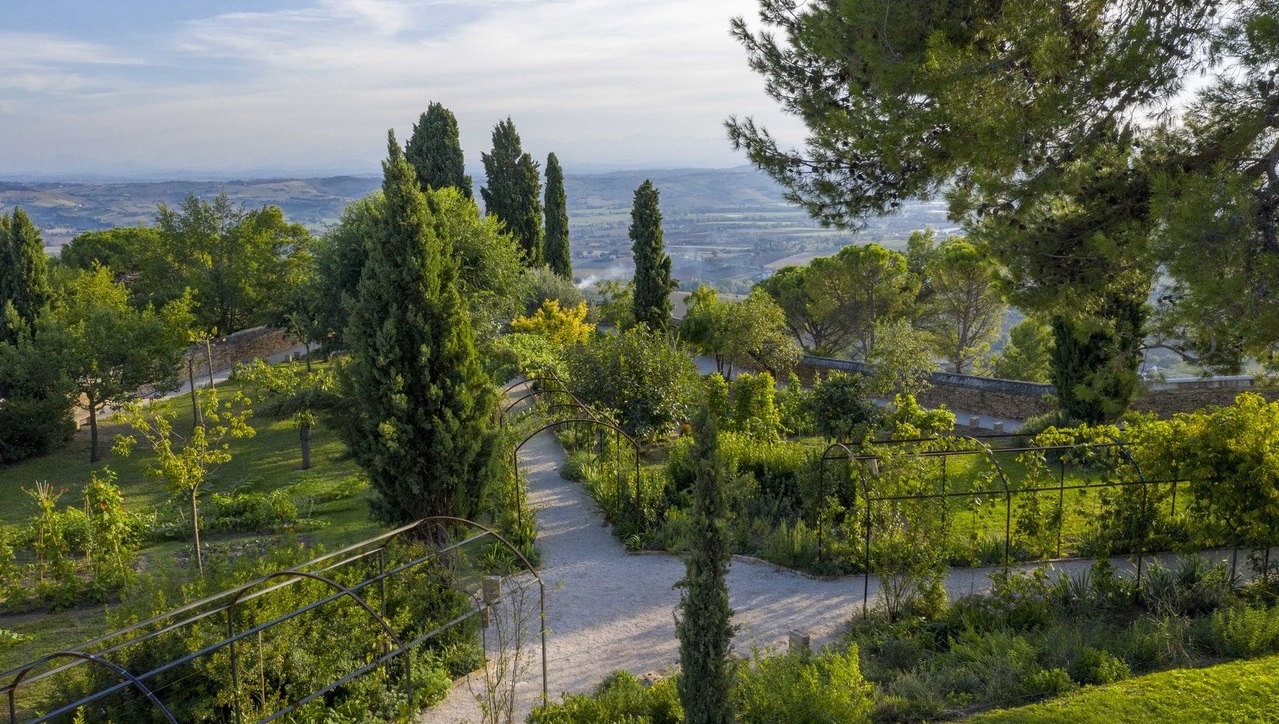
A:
(608, 610)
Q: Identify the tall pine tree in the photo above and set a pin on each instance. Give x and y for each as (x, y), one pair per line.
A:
(436, 153)
(419, 406)
(24, 281)
(653, 283)
(703, 628)
(555, 247)
(512, 189)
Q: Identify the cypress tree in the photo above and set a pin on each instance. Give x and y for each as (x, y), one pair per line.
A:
(512, 189)
(556, 247)
(24, 279)
(703, 628)
(418, 405)
(436, 153)
(653, 283)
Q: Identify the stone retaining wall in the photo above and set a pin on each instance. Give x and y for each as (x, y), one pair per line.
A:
(243, 346)
(1022, 400)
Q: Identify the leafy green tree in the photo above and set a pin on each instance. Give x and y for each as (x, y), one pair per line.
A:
(555, 246)
(653, 283)
(1028, 354)
(35, 393)
(489, 276)
(871, 286)
(418, 406)
(902, 358)
(291, 389)
(1030, 122)
(755, 406)
(112, 349)
(183, 464)
(843, 410)
(512, 189)
(237, 263)
(24, 281)
(966, 306)
(616, 303)
(436, 153)
(642, 376)
(737, 333)
(703, 627)
(124, 250)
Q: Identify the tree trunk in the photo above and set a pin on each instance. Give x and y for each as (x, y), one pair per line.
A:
(304, 432)
(195, 404)
(195, 531)
(93, 430)
(208, 353)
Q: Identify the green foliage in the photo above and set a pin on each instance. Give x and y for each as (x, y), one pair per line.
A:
(527, 355)
(511, 191)
(619, 698)
(541, 284)
(653, 283)
(237, 263)
(755, 407)
(737, 333)
(616, 303)
(1028, 354)
(902, 359)
(648, 381)
(908, 420)
(810, 304)
(964, 308)
(35, 409)
(555, 245)
(795, 406)
(24, 279)
(419, 406)
(825, 688)
(112, 349)
(842, 408)
(436, 153)
(703, 627)
(292, 389)
(123, 250)
(182, 463)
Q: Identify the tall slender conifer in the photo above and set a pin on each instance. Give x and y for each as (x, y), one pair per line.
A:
(556, 246)
(436, 153)
(653, 283)
(512, 189)
(419, 406)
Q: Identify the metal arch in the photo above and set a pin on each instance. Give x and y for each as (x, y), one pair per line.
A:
(93, 659)
(821, 487)
(1145, 497)
(528, 566)
(865, 489)
(1008, 495)
(381, 620)
(594, 420)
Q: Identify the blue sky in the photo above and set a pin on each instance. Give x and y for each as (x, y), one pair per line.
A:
(232, 86)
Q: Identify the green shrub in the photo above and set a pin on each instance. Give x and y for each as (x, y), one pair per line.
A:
(800, 689)
(1096, 666)
(252, 512)
(791, 546)
(1191, 587)
(1243, 631)
(619, 698)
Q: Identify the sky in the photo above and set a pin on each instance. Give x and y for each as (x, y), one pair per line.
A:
(217, 87)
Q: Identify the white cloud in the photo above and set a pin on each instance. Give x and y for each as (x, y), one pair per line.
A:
(598, 81)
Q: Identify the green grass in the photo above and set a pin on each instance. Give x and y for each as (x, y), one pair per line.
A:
(334, 491)
(1240, 692)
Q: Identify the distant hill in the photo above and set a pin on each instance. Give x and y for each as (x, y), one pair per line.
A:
(720, 224)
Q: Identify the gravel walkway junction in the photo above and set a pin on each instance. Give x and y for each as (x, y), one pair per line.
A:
(610, 610)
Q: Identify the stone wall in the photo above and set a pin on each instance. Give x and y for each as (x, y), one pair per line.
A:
(243, 346)
(1022, 400)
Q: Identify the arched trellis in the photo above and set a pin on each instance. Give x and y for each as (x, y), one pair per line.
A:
(210, 606)
(118, 670)
(619, 432)
(379, 618)
(592, 417)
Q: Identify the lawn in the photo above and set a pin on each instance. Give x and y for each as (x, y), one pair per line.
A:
(333, 495)
(1240, 692)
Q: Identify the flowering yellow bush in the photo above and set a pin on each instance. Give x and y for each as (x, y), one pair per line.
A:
(564, 327)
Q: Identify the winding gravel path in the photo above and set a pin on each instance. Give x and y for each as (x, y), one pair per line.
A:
(608, 610)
